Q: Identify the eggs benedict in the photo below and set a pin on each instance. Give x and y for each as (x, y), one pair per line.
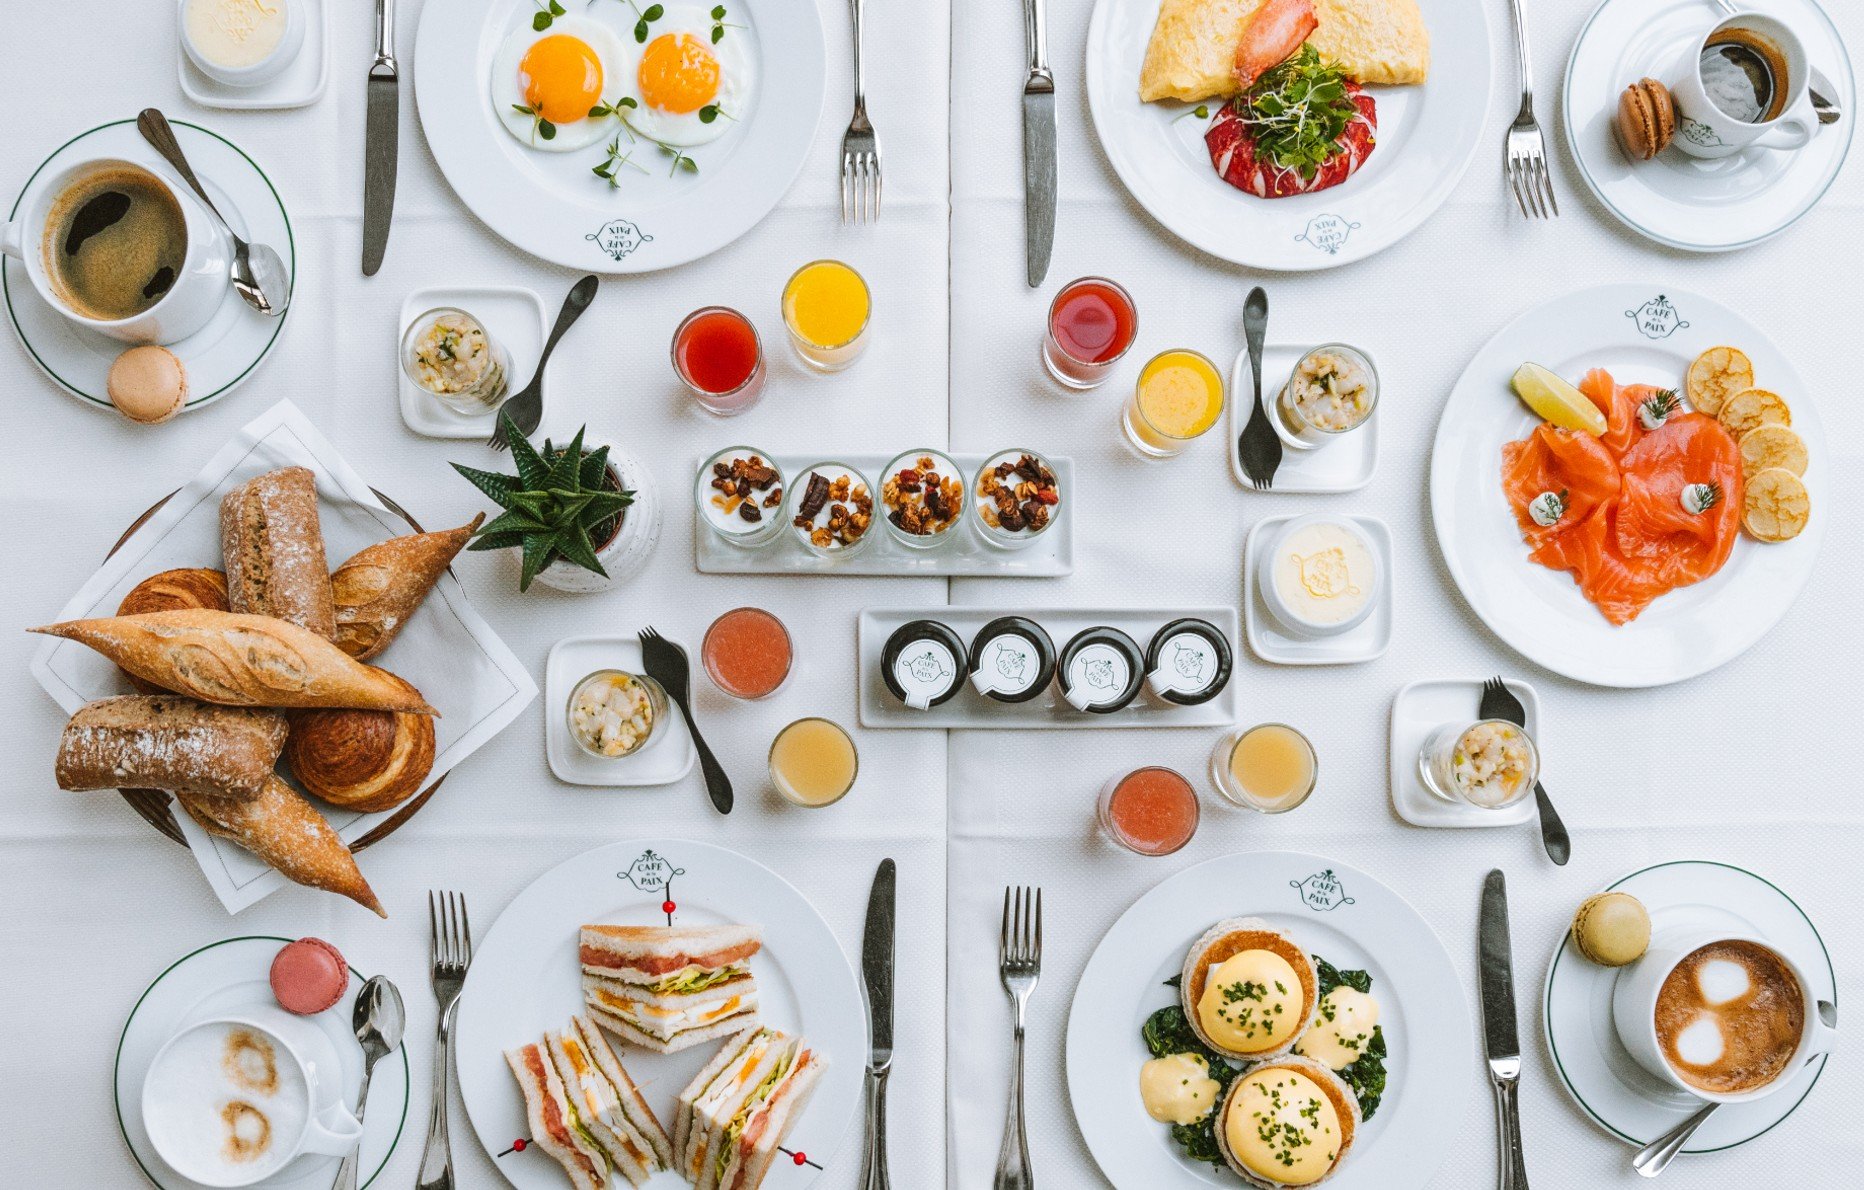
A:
(1248, 990)
(1288, 1122)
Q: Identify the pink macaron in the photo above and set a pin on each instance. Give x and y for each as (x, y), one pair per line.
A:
(308, 976)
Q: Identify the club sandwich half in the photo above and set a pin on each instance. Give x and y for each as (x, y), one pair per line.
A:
(733, 1117)
(667, 988)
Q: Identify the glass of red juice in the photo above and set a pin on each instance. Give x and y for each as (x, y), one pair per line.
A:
(1150, 811)
(717, 355)
(1091, 324)
(747, 653)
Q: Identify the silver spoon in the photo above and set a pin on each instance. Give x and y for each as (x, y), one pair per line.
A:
(258, 272)
(1656, 1156)
(378, 1019)
(1827, 111)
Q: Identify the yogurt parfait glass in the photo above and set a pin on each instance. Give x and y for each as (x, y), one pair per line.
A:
(1490, 764)
(733, 480)
(830, 534)
(1030, 480)
(1332, 391)
(925, 521)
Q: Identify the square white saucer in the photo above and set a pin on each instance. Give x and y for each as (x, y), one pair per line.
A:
(1343, 466)
(1420, 709)
(513, 316)
(661, 762)
(1273, 643)
(300, 84)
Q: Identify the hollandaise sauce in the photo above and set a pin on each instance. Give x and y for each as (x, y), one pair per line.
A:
(1281, 1126)
(1251, 1002)
(1178, 1089)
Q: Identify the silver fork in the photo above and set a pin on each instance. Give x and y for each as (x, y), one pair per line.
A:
(450, 942)
(1019, 965)
(1525, 164)
(860, 151)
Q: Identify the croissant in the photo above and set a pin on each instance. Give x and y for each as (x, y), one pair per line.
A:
(241, 660)
(282, 829)
(163, 741)
(379, 588)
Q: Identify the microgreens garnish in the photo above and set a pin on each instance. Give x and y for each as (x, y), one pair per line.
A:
(617, 157)
(680, 160)
(547, 11)
(1298, 111)
(648, 16)
(602, 111)
(1201, 111)
(713, 111)
(540, 127)
(720, 24)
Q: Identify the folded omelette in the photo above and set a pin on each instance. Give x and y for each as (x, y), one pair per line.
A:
(1193, 46)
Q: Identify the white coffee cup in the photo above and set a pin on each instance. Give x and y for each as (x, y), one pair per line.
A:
(1704, 130)
(225, 1129)
(1634, 1013)
(201, 284)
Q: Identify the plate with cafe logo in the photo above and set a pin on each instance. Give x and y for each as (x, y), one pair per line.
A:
(526, 979)
(680, 126)
(1370, 940)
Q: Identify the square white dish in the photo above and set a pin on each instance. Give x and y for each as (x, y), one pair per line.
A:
(513, 316)
(300, 84)
(1343, 466)
(1050, 555)
(661, 762)
(971, 711)
(1273, 643)
(1420, 709)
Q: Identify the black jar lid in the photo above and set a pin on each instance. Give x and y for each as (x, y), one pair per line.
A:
(1012, 659)
(1188, 663)
(923, 664)
(1101, 670)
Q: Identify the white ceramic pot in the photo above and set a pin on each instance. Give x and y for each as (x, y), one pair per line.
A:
(623, 557)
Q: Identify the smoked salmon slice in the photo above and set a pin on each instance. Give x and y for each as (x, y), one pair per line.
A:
(1625, 535)
(1271, 36)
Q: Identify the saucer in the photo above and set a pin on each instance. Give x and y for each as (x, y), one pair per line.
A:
(1344, 465)
(1273, 643)
(300, 84)
(515, 319)
(229, 976)
(221, 354)
(1420, 709)
(661, 763)
(1675, 199)
(1608, 1085)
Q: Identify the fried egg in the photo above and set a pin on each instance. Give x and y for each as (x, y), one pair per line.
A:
(688, 88)
(559, 73)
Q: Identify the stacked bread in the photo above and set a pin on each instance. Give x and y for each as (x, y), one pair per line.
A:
(265, 661)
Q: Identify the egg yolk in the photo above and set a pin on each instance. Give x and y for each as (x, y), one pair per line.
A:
(561, 78)
(678, 73)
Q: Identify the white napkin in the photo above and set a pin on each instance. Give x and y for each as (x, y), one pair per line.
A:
(447, 650)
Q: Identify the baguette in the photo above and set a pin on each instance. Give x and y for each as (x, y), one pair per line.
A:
(240, 660)
(381, 586)
(169, 591)
(274, 551)
(283, 829)
(167, 742)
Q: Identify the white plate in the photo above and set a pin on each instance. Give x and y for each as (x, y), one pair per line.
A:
(221, 354)
(1676, 199)
(550, 205)
(300, 84)
(1272, 642)
(1642, 333)
(1426, 136)
(1341, 914)
(1343, 465)
(1608, 1085)
(525, 979)
(1049, 555)
(662, 762)
(972, 711)
(1421, 708)
(516, 320)
(226, 976)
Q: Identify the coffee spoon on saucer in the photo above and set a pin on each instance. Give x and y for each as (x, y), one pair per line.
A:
(379, 1019)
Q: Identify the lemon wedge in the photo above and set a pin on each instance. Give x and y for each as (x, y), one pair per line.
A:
(1556, 400)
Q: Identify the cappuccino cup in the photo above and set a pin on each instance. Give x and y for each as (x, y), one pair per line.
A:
(1743, 82)
(232, 1100)
(119, 249)
(1722, 1017)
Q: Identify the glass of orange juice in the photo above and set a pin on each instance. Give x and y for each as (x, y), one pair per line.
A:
(1269, 767)
(813, 763)
(825, 308)
(1178, 398)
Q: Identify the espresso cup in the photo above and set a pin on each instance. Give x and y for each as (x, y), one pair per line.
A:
(1634, 1014)
(1705, 130)
(201, 282)
(234, 1099)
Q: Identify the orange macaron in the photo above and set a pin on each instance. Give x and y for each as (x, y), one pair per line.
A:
(1646, 118)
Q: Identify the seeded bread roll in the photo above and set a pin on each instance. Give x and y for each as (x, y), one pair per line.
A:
(165, 741)
(378, 589)
(274, 551)
(173, 590)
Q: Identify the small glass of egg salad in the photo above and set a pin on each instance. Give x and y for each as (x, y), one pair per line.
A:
(1333, 390)
(1490, 765)
(613, 713)
(448, 355)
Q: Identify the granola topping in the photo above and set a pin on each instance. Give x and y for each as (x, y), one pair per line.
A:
(738, 490)
(834, 513)
(924, 499)
(1017, 494)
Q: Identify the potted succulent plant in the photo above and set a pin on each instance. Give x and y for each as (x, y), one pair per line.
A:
(582, 516)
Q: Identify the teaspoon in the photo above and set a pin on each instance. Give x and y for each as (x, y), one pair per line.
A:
(378, 1019)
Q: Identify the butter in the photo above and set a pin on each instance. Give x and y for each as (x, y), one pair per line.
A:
(1324, 573)
(235, 34)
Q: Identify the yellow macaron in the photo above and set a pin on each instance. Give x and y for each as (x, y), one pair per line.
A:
(1612, 929)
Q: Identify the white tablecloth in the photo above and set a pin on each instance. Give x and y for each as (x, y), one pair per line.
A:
(1751, 764)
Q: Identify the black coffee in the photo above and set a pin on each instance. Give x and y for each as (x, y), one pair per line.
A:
(114, 243)
(1744, 75)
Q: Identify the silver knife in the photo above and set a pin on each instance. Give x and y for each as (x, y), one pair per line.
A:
(381, 132)
(1498, 1030)
(877, 974)
(1038, 145)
